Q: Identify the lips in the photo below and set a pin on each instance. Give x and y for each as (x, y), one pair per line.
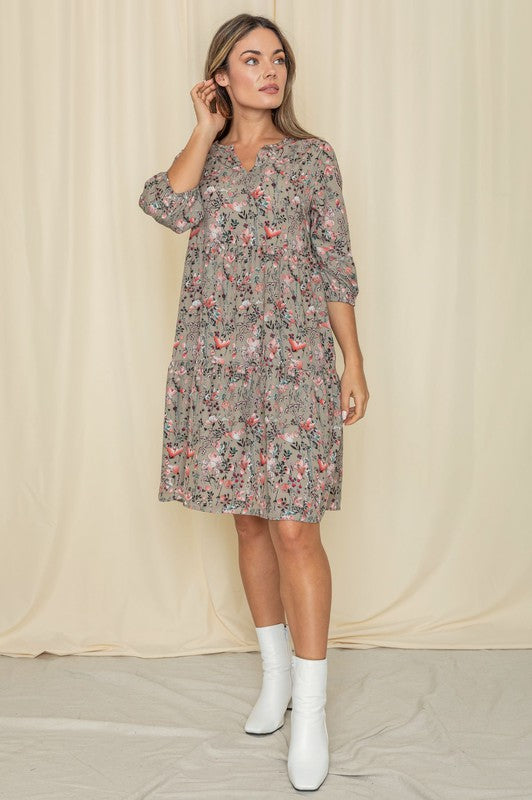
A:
(271, 87)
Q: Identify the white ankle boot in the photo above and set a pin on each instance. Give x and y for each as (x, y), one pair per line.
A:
(308, 753)
(268, 712)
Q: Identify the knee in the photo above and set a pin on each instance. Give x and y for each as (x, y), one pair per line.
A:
(295, 535)
(249, 527)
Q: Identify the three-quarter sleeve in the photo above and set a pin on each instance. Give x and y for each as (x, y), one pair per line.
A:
(329, 229)
(178, 211)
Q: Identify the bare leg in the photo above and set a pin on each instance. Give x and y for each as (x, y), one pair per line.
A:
(259, 569)
(305, 584)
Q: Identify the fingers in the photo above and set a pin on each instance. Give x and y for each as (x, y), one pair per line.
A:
(205, 89)
(351, 414)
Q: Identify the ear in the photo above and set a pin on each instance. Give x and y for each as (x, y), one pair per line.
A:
(221, 78)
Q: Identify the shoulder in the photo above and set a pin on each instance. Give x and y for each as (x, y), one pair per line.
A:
(315, 154)
(314, 144)
(318, 151)
(324, 163)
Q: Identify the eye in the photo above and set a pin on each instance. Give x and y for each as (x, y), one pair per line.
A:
(252, 58)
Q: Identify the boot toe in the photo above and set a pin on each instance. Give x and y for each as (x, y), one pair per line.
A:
(265, 718)
(307, 776)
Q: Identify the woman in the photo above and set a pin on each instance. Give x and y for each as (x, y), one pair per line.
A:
(254, 405)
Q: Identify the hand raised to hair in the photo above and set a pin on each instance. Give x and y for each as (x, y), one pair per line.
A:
(202, 94)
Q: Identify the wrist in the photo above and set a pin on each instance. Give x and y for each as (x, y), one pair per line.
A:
(353, 362)
(204, 133)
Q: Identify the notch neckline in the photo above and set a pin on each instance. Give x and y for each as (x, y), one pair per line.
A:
(230, 149)
(268, 144)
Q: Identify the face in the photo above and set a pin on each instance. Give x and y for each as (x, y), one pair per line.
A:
(249, 72)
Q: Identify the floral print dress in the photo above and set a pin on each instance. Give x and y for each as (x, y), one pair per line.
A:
(252, 421)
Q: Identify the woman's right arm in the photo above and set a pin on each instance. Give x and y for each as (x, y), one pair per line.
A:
(173, 197)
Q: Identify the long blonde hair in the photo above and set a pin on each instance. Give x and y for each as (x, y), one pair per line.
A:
(227, 35)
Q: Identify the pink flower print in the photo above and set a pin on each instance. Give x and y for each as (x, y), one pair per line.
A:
(287, 279)
(214, 461)
(308, 425)
(236, 206)
(288, 437)
(252, 420)
(296, 345)
(236, 435)
(271, 232)
(215, 231)
(301, 467)
(220, 342)
(257, 192)
(252, 346)
(322, 464)
(322, 249)
(273, 347)
(297, 364)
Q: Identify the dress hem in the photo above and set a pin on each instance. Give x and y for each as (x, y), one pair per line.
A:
(226, 510)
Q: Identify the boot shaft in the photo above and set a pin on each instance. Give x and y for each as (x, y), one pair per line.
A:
(275, 647)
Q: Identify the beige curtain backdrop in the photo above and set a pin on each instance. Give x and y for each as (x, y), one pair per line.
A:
(428, 106)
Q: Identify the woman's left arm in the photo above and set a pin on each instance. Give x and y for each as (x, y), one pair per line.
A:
(329, 232)
(353, 381)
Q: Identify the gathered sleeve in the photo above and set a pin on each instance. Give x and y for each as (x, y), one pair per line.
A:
(329, 229)
(178, 211)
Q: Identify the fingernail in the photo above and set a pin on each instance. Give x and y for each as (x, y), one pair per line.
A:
(344, 414)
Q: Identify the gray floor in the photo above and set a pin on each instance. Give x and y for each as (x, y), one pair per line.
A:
(403, 725)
